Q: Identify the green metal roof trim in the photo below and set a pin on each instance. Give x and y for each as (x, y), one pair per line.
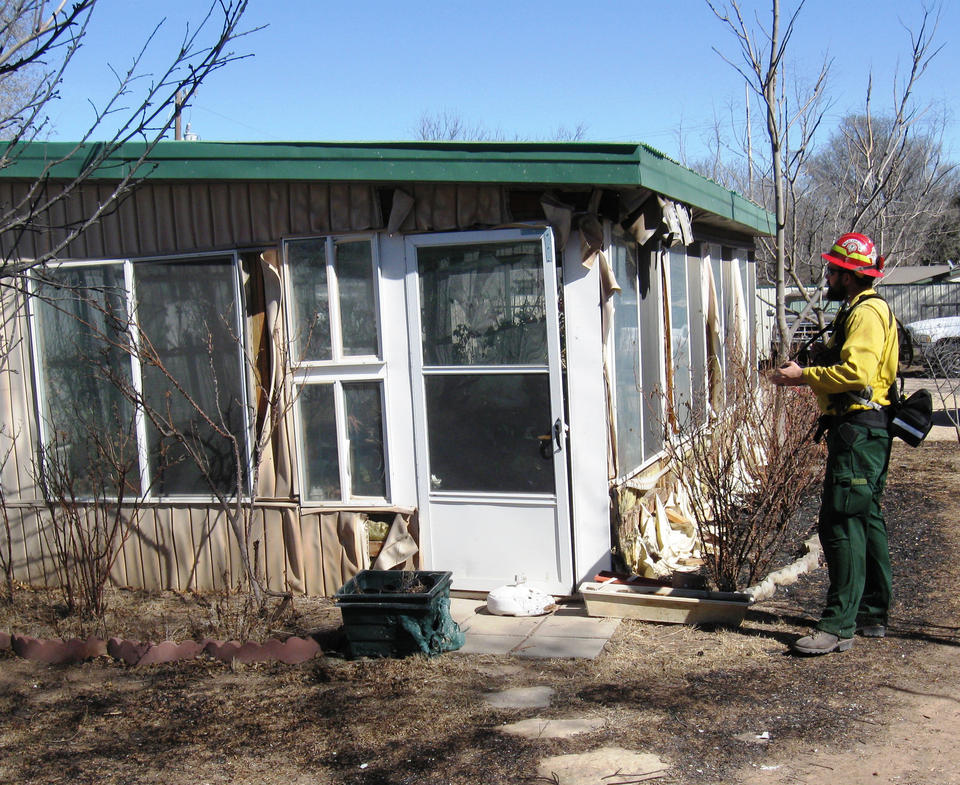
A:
(509, 163)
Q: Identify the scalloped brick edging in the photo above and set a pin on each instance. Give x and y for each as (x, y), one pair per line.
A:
(289, 652)
(55, 651)
(58, 652)
(130, 652)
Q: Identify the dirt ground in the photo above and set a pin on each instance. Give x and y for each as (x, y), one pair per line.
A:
(715, 705)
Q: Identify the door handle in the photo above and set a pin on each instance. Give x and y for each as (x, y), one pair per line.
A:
(551, 440)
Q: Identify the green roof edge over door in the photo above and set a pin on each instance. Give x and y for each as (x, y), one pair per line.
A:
(622, 165)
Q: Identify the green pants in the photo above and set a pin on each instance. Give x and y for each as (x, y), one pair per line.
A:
(852, 530)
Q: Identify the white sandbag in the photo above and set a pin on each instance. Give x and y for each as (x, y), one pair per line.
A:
(519, 600)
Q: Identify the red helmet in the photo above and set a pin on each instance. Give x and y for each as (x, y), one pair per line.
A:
(856, 252)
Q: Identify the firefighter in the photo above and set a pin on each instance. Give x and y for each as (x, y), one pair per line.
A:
(851, 382)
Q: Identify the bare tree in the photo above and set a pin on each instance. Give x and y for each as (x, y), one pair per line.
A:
(762, 68)
(450, 126)
(942, 244)
(885, 179)
(39, 40)
(15, 85)
(882, 174)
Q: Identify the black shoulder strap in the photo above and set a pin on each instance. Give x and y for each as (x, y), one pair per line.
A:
(841, 321)
(895, 394)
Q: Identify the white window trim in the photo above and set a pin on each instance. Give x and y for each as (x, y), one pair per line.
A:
(337, 358)
(337, 370)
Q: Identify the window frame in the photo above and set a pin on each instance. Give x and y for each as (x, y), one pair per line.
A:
(340, 369)
(621, 243)
(697, 325)
(136, 370)
(675, 402)
(651, 348)
(337, 356)
(655, 312)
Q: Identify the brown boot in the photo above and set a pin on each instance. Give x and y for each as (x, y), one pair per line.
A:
(821, 643)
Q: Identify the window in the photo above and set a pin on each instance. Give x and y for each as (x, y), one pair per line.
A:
(638, 353)
(188, 317)
(486, 376)
(339, 370)
(80, 315)
(189, 311)
(680, 334)
(333, 299)
(748, 280)
(652, 351)
(626, 335)
(721, 285)
(697, 331)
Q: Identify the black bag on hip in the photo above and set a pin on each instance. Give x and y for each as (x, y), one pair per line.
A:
(911, 418)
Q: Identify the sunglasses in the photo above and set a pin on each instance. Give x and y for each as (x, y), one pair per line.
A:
(834, 271)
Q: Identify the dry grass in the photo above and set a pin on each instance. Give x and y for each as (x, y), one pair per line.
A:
(150, 616)
(696, 697)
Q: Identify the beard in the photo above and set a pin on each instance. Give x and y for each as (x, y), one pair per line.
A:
(836, 293)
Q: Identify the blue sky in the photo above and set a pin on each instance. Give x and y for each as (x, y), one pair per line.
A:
(627, 71)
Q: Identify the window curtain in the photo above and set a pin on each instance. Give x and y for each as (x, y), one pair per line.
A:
(275, 482)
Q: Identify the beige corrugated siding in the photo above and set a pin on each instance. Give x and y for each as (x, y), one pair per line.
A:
(168, 218)
(191, 547)
(160, 218)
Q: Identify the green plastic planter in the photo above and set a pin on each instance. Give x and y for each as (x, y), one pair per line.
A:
(389, 613)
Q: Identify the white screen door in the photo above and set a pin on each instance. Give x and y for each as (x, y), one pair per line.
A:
(489, 424)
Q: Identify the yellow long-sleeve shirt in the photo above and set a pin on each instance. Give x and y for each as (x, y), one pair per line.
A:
(868, 357)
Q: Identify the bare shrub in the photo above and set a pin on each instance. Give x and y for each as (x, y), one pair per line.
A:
(6, 544)
(236, 614)
(748, 471)
(11, 310)
(92, 513)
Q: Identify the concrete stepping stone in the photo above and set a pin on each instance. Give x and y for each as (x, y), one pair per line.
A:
(541, 728)
(521, 698)
(490, 671)
(609, 765)
(563, 647)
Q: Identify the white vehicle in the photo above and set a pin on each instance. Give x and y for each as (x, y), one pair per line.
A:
(936, 343)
